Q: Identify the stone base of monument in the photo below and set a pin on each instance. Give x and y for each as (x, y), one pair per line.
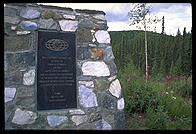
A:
(59, 70)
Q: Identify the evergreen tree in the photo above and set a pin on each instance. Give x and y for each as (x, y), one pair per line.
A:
(163, 27)
(178, 32)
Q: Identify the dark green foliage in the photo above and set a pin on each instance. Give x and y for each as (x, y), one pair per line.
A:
(163, 51)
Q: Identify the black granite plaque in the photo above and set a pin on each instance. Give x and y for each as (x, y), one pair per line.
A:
(56, 71)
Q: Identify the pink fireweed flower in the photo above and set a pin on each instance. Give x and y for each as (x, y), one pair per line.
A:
(177, 78)
(134, 74)
(168, 77)
(148, 67)
(153, 100)
(165, 82)
(128, 80)
(139, 117)
(163, 91)
(149, 76)
(124, 86)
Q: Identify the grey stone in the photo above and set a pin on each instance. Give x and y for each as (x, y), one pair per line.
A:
(107, 101)
(13, 28)
(69, 16)
(115, 88)
(79, 119)
(55, 120)
(95, 68)
(119, 120)
(29, 13)
(26, 102)
(112, 67)
(12, 20)
(47, 24)
(19, 43)
(83, 35)
(7, 30)
(82, 52)
(108, 54)
(120, 104)
(101, 84)
(13, 78)
(24, 117)
(11, 12)
(29, 77)
(9, 94)
(23, 32)
(68, 25)
(76, 111)
(102, 36)
(17, 61)
(5, 64)
(103, 125)
(87, 97)
(29, 25)
(85, 23)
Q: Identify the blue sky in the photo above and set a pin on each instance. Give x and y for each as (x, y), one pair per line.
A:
(177, 15)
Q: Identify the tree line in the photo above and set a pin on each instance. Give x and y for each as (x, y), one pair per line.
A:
(166, 54)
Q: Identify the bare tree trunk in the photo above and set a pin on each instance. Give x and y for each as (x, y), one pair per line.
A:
(146, 51)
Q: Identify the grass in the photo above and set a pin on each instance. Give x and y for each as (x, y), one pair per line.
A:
(156, 103)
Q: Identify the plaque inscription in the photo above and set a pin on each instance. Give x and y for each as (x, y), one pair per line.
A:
(56, 71)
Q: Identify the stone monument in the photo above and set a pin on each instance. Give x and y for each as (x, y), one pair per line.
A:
(59, 70)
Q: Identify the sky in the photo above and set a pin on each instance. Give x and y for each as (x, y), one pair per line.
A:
(177, 15)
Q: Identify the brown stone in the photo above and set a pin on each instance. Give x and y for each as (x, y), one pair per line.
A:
(96, 27)
(50, 14)
(96, 53)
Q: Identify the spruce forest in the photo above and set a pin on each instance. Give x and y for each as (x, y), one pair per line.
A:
(166, 54)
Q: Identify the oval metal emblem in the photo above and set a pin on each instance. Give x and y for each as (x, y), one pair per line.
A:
(56, 45)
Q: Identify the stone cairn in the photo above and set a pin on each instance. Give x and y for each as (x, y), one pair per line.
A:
(100, 102)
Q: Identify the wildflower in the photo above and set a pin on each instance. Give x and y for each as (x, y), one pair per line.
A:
(134, 74)
(148, 67)
(166, 92)
(177, 78)
(153, 100)
(168, 77)
(171, 92)
(149, 76)
(174, 97)
(163, 91)
(124, 86)
(165, 82)
(128, 80)
(139, 117)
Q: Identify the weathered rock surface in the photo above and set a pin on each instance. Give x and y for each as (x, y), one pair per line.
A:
(24, 117)
(79, 119)
(95, 68)
(29, 13)
(29, 77)
(87, 97)
(9, 94)
(102, 36)
(55, 120)
(115, 88)
(120, 104)
(76, 111)
(68, 25)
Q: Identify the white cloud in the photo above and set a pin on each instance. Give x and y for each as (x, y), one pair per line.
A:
(177, 15)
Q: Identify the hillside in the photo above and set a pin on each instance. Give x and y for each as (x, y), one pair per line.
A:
(166, 54)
